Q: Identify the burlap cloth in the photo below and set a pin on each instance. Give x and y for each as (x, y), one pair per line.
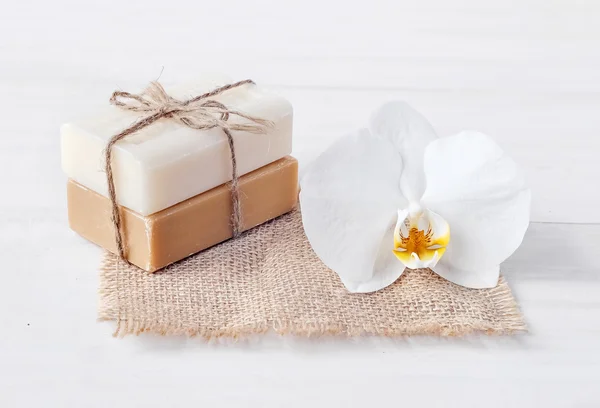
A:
(270, 279)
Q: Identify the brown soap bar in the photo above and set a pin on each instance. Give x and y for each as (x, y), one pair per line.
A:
(159, 239)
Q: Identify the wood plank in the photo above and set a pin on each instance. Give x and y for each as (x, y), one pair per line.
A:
(531, 45)
(553, 139)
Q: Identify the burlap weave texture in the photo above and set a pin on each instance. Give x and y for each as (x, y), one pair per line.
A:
(270, 279)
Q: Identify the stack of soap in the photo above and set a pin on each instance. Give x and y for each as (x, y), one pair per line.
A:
(171, 181)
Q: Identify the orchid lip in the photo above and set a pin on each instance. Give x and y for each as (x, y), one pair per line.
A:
(420, 237)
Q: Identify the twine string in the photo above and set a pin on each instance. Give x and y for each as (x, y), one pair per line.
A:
(199, 113)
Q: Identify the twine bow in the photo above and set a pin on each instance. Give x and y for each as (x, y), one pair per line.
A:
(201, 113)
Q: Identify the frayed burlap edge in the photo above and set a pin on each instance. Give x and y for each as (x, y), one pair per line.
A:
(505, 304)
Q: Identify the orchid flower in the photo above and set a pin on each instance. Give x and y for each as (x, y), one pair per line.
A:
(395, 196)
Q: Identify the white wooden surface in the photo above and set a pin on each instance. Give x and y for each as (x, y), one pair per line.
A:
(527, 72)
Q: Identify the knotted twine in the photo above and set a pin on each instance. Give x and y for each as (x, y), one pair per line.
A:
(199, 113)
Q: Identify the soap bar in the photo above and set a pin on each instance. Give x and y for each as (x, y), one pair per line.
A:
(167, 162)
(167, 236)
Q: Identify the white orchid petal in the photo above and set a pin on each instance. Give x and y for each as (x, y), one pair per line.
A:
(480, 278)
(479, 191)
(400, 229)
(439, 227)
(386, 271)
(349, 196)
(415, 262)
(436, 256)
(410, 133)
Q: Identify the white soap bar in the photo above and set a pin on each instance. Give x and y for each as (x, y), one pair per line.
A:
(167, 163)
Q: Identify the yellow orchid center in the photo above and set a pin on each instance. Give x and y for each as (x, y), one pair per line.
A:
(420, 238)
